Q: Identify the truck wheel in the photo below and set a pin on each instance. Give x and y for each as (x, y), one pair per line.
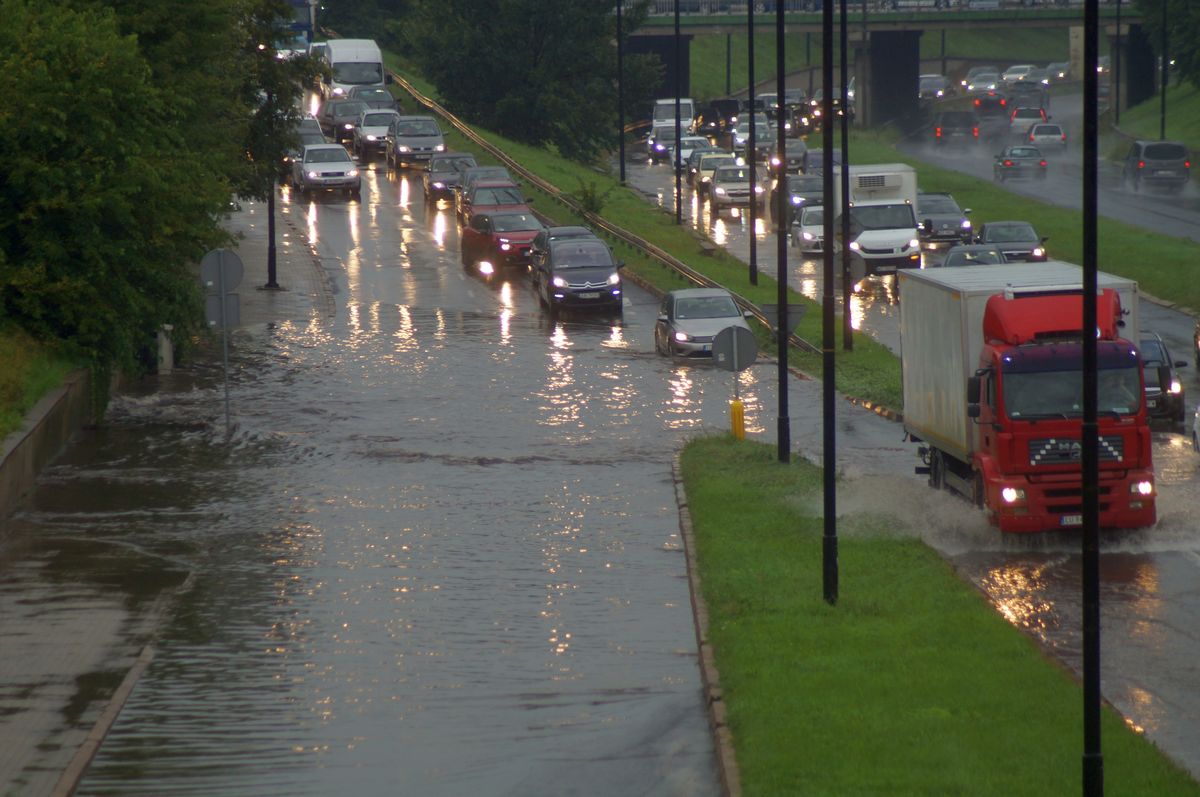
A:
(977, 490)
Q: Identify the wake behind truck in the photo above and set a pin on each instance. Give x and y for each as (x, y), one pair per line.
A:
(991, 361)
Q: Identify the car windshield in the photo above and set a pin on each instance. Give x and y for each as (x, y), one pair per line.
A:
(812, 216)
(418, 127)
(372, 94)
(882, 217)
(1165, 152)
(515, 222)
(489, 173)
(449, 164)
(1153, 353)
(983, 258)
(732, 174)
(937, 204)
(707, 307)
(1024, 152)
(327, 155)
(801, 183)
(1059, 393)
(1047, 130)
(712, 163)
(501, 195)
(347, 108)
(1000, 233)
(581, 254)
(358, 72)
(377, 119)
(933, 82)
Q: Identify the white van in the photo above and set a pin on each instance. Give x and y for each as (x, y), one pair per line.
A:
(352, 62)
(664, 113)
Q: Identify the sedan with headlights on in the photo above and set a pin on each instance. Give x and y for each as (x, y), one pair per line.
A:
(326, 167)
(690, 318)
(1018, 240)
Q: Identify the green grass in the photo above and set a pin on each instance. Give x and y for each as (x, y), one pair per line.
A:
(911, 685)
(1183, 117)
(28, 370)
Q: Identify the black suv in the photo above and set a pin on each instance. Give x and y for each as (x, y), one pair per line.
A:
(1157, 163)
(942, 220)
(955, 127)
(1164, 388)
(577, 273)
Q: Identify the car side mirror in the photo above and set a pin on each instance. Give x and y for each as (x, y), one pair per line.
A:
(966, 211)
(662, 316)
(1181, 364)
(388, 79)
(620, 264)
(748, 314)
(1045, 238)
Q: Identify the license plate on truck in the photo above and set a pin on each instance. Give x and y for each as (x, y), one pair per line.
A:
(1071, 520)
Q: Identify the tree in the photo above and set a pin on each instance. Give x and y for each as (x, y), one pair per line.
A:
(1183, 41)
(539, 71)
(102, 206)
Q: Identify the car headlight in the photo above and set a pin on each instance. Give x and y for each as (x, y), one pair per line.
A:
(775, 160)
(1144, 487)
(682, 337)
(966, 224)
(1038, 252)
(614, 278)
(313, 175)
(797, 200)
(352, 173)
(940, 93)
(371, 137)
(1012, 495)
(719, 190)
(440, 148)
(404, 148)
(758, 189)
(854, 245)
(339, 92)
(1176, 387)
(808, 236)
(660, 147)
(348, 126)
(558, 282)
(914, 243)
(439, 186)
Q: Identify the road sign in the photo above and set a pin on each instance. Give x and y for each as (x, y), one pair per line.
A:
(221, 271)
(795, 312)
(232, 308)
(734, 349)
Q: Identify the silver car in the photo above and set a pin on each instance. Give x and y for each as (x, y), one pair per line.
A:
(326, 167)
(730, 187)
(690, 318)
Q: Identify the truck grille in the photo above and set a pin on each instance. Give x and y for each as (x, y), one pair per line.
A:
(1060, 450)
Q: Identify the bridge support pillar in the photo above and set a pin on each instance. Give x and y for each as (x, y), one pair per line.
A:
(893, 67)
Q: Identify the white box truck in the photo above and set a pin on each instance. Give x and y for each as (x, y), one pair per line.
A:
(883, 218)
(350, 63)
(991, 372)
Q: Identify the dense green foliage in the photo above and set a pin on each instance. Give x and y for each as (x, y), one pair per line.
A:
(538, 71)
(1183, 33)
(135, 122)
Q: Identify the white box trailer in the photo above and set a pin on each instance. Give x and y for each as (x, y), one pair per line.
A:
(941, 336)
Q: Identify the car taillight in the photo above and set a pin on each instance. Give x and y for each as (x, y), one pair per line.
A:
(1141, 164)
(975, 132)
(1008, 163)
(1186, 164)
(937, 132)
(1031, 136)
(1003, 103)
(978, 101)
(1064, 136)
(1043, 163)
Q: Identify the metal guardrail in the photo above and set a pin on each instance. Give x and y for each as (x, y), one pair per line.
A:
(651, 250)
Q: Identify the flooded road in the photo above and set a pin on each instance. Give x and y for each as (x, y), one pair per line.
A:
(440, 553)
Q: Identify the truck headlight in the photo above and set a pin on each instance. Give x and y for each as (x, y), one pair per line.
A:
(348, 126)
(313, 175)
(1144, 487)
(1012, 495)
(486, 268)
(505, 246)
(371, 137)
(914, 244)
(719, 190)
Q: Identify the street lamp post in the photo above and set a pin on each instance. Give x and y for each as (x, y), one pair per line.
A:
(678, 124)
(1116, 79)
(782, 213)
(1162, 121)
(620, 93)
(847, 328)
(753, 158)
(828, 454)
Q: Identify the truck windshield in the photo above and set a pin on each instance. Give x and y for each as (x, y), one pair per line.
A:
(882, 217)
(1059, 394)
(358, 72)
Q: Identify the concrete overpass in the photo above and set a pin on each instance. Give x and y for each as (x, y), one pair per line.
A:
(885, 47)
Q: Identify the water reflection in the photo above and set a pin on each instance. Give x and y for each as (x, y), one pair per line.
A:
(1018, 591)
(439, 228)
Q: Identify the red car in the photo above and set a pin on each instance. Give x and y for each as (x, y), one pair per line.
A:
(492, 242)
(492, 196)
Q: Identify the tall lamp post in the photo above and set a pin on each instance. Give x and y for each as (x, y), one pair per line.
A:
(678, 124)
(828, 453)
(1116, 79)
(782, 213)
(753, 159)
(847, 327)
(620, 92)
(1162, 121)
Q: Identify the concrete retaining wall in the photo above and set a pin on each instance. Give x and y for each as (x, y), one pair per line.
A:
(47, 429)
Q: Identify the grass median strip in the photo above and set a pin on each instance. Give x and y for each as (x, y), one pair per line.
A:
(912, 684)
(30, 370)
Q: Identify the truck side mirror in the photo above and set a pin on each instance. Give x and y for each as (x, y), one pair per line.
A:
(973, 390)
(972, 410)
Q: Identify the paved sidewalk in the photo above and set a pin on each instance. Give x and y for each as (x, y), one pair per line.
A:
(70, 653)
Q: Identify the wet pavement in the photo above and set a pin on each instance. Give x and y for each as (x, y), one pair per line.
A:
(439, 552)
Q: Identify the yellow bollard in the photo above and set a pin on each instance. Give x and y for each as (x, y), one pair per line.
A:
(737, 419)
